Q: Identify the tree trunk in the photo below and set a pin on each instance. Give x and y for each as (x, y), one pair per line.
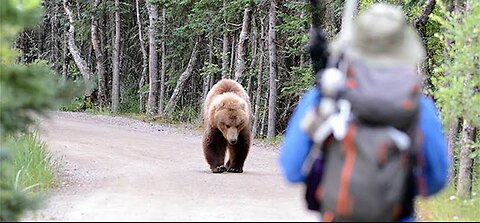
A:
(240, 64)
(161, 98)
(302, 55)
(181, 81)
(451, 139)
(264, 118)
(116, 62)
(421, 21)
(464, 183)
(143, 75)
(64, 59)
(225, 56)
(272, 51)
(75, 52)
(99, 58)
(258, 92)
(152, 59)
(332, 21)
(232, 57)
(420, 25)
(208, 79)
(254, 56)
(225, 44)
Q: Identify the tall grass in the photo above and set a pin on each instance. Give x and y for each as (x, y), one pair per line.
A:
(447, 207)
(33, 166)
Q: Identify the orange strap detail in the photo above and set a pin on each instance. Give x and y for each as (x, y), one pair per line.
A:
(351, 83)
(319, 193)
(408, 105)
(328, 216)
(344, 204)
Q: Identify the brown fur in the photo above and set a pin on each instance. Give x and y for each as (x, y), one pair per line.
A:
(226, 116)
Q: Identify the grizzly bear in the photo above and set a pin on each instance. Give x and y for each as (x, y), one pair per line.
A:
(226, 117)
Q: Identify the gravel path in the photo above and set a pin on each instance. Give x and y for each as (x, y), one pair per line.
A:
(121, 169)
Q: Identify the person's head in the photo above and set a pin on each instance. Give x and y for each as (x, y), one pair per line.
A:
(381, 37)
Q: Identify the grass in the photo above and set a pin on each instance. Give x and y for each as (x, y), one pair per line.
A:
(447, 207)
(32, 165)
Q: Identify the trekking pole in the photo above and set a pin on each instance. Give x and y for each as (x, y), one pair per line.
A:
(315, 14)
(333, 110)
(345, 31)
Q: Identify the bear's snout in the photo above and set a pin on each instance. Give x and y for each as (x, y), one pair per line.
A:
(233, 141)
(232, 135)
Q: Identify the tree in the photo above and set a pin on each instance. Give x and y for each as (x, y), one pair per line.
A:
(76, 54)
(152, 59)
(457, 82)
(181, 81)
(26, 92)
(99, 58)
(116, 61)
(225, 43)
(143, 75)
(257, 99)
(240, 64)
(161, 97)
(272, 52)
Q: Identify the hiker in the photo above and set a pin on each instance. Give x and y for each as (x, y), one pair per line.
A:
(380, 38)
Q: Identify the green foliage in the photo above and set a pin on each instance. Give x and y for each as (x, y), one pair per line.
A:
(206, 16)
(13, 201)
(188, 114)
(301, 79)
(234, 10)
(446, 207)
(476, 149)
(129, 103)
(294, 27)
(204, 13)
(26, 91)
(74, 105)
(457, 96)
(14, 16)
(31, 162)
(209, 69)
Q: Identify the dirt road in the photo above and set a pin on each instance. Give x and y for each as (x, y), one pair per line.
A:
(118, 169)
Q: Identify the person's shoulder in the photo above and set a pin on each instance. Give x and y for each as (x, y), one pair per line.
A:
(311, 94)
(427, 104)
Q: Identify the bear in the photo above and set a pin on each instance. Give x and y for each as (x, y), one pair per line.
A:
(227, 127)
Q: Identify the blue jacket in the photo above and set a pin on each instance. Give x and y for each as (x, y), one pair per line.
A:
(296, 145)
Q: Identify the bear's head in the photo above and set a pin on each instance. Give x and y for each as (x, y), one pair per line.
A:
(230, 116)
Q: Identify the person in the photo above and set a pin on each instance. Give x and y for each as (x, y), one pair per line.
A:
(380, 37)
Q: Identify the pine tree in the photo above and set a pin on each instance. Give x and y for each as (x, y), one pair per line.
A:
(26, 91)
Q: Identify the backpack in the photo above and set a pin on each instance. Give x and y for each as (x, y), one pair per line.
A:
(363, 164)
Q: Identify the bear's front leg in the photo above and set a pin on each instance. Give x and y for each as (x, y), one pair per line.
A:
(238, 153)
(214, 148)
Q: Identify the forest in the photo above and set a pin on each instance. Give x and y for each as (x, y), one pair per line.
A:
(160, 57)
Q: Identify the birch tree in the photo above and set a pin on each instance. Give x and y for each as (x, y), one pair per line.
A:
(143, 75)
(181, 81)
(272, 52)
(99, 57)
(75, 52)
(240, 62)
(152, 59)
(116, 61)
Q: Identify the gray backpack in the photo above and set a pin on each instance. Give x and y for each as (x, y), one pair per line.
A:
(366, 171)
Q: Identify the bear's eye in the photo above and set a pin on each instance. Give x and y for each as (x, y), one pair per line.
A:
(227, 126)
